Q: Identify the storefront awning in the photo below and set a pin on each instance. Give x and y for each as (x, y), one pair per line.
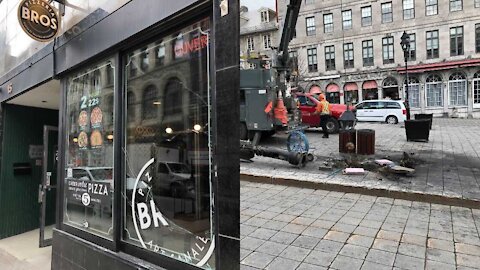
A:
(333, 88)
(370, 85)
(315, 89)
(350, 86)
(440, 66)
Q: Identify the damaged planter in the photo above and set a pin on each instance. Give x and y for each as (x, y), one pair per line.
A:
(418, 129)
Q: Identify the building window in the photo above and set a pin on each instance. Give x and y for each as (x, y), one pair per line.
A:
(308, 2)
(347, 19)
(456, 41)
(267, 42)
(477, 3)
(434, 91)
(388, 53)
(310, 22)
(312, 60)
(366, 16)
(387, 12)
(476, 89)
(144, 59)
(328, 23)
(432, 44)
(348, 55)
(408, 9)
(457, 87)
(250, 44)
(412, 54)
(367, 52)
(133, 67)
(456, 5)
(431, 7)
(149, 109)
(264, 16)
(160, 54)
(477, 38)
(413, 92)
(330, 57)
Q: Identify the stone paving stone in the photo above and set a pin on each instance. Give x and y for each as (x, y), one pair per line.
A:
(415, 231)
(440, 235)
(244, 253)
(254, 221)
(337, 236)
(414, 239)
(258, 259)
(272, 248)
(433, 265)
(365, 231)
(466, 236)
(387, 245)
(343, 262)
(320, 258)
(394, 227)
(295, 253)
(389, 235)
(344, 228)
(251, 243)
(407, 262)
(371, 224)
(267, 215)
(307, 266)
(294, 228)
(262, 233)
(303, 221)
(374, 266)
(315, 232)
(329, 246)
(381, 257)
(412, 250)
(440, 244)
(467, 249)
(350, 220)
(306, 242)
(360, 240)
(274, 225)
(284, 217)
(247, 229)
(282, 264)
(246, 267)
(326, 224)
(354, 251)
(251, 212)
(441, 256)
(284, 237)
(468, 260)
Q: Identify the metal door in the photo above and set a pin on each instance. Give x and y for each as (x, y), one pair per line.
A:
(48, 188)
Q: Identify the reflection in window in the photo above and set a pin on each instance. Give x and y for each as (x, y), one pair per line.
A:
(167, 211)
(88, 183)
(160, 54)
(144, 59)
(150, 102)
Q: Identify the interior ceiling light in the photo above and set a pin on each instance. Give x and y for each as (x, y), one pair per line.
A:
(169, 130)
(157, 103)
(197, 127)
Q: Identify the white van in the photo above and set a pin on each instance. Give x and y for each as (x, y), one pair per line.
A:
(389, 111)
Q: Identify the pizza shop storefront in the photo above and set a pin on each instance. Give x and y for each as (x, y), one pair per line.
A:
(107, 132)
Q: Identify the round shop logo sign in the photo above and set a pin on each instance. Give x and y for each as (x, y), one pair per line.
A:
(86, 199)
(147, 218)
(38, 19)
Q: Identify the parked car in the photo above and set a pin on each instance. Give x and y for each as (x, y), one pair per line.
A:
(389, 111)
(175, 178)
(308, 103)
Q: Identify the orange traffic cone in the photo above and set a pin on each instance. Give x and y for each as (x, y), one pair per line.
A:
(280, 112)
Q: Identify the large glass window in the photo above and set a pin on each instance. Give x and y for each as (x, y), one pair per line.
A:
(310, 22)
(434, 91)
(367, 52)
(167, 158)
(88, 175)
(432, 44)
(312, 59)
(477, 38)
(431, 7)
(366, 16)
(387, 12)
(477, 3)
(348, 55)
(412, 53)
(456, 5)
(408, 9)
(328, 23)
(476, 89)
(347, 19)
(457, 88)
(250, 44)
(330, 57)
(413, 92)
(387, 44)
(456, 41)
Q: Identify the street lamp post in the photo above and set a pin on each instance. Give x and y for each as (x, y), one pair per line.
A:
(406, 50)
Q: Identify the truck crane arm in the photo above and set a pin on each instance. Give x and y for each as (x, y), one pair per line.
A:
(288, 31)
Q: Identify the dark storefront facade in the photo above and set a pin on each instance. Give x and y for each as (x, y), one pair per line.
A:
(132, 162)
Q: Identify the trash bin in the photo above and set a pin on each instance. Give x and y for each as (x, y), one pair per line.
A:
(418, 129)
(428, 116)
(365, 141)
(347, 141)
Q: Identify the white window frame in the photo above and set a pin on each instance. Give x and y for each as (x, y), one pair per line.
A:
(385, 13)
(412, 93)
(476, 89)
(366, 12)
(347, 17)
(264, 16)
(408, 9)
(457, 5)
(431, 7)
(250, 44)
(450, 86)
(328, 23)
(267, 41)
(310, 23)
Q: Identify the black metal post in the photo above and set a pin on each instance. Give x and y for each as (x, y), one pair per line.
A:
(406, 49)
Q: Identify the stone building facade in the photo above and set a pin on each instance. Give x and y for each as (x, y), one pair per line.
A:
(258, 33)
(351, 50)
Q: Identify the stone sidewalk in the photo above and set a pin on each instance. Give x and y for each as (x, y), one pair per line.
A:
(288, 228)
(448, 165)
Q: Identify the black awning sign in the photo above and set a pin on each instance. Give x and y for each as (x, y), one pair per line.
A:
(38, 19)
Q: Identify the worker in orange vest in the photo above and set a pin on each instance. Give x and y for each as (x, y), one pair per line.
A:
(324, 109)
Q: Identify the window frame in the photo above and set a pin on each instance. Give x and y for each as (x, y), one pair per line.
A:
(454, 84)
(347, 18)
(267, 41)
(348, 55)
(390, 52)
(328, 25)
(310, 27)
(456, 5)
(250, 43)
(433, 4)
(412, 54)
(477, 38)
(330, 60)
(457, 41)
(408, 9)
(387, 11)
(312, 59)
(367, 19)
(430, 41)
(366, 48)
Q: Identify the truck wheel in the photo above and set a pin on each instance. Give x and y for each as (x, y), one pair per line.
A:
(332, 125)
(243, 131)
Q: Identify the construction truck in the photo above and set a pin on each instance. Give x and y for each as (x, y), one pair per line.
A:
(266, 104)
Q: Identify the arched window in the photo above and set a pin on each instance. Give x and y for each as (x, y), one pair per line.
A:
(434, 91)
(390, 88)
(131, 106)
(149, 108)
(457, 87)
(476, 89)
(390, 82)
(173, 97)
(413, 91)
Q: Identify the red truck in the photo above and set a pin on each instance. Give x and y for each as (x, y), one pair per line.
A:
(308, 103)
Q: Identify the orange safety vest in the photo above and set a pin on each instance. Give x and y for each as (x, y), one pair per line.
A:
(323, 107)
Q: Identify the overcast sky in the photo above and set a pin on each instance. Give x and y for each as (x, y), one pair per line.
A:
(256, 4)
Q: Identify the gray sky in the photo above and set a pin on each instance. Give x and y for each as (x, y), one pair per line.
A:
(256, 4)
